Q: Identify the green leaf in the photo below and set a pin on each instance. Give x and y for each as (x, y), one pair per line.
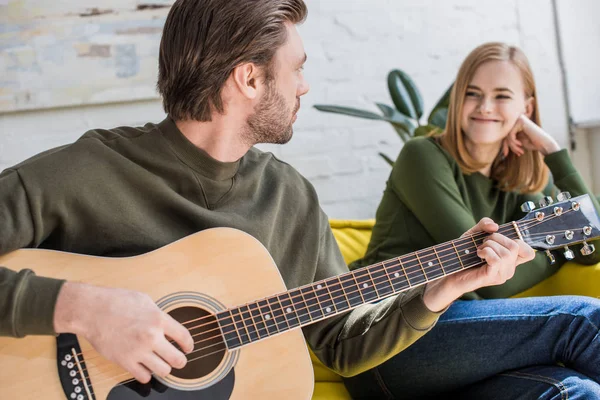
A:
(387, 159)
(401, 130)
(443, 102)
(425, 130)
(386, 110)
(354, 112)
(395, 117)
(405, 95)
(439, 117)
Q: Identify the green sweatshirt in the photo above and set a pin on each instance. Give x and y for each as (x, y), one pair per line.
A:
(428, 200)
(127, 191)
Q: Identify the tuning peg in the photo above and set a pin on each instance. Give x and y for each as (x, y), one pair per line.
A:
(587, 249)
(528, 206)
(546, 201)
(550, 257)
(562, 196)
(569, 253)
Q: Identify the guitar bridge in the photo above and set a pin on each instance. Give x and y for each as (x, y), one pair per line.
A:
(72, 370)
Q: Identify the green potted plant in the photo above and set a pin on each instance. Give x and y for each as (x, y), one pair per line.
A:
(405, 118)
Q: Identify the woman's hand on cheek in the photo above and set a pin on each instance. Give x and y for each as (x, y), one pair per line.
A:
(526, 135)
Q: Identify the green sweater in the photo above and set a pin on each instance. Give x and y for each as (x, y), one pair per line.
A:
(127, 191)
(428, 200)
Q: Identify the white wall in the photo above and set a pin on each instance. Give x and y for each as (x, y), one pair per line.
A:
(351, 46)
(580, 36)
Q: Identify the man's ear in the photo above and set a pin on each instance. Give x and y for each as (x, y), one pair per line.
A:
(246, 79)
(529, 104)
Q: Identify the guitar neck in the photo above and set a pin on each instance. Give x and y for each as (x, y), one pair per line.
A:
(329, 297)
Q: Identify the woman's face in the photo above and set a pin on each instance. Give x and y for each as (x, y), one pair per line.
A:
(494, 100)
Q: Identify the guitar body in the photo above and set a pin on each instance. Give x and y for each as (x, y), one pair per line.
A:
(195, 277)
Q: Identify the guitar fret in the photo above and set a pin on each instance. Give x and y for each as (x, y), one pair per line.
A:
(353, 275)
(372, 282)
(415, 270)
(458, 254)
(404, 271)
(240, 326)
(382, 280)
(421, 265)
(341, 298)
(473, 254)
(331, 296)
(301, 307)
(439, 261)
(311, 300)
(259, 320)
(324, 298)
(397, 276)
(230, 333)
(365, 286)
(249, 323)
(351, 290)
(385, 271)
(267, 315)
(290, 310)
(277, 309)
(429, 260)
(474, 243)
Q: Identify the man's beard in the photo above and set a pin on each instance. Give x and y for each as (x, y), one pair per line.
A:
(271, 121)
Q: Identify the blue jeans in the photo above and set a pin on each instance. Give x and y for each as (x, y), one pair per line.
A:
(533, 348)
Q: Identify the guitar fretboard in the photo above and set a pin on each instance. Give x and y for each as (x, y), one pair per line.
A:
(323, 299)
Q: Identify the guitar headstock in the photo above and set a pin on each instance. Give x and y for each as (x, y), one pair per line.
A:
(558, 225)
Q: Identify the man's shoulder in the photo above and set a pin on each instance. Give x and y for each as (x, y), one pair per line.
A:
(86, 150)
(106, 136)
(278, 170)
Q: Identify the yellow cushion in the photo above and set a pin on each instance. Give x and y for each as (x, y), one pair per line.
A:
(352, 237)
(571, 279)
(330, 391)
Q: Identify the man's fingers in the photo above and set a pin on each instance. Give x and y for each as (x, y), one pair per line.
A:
(526, 253)
(140, 373)
(167, 351)
(178, 333)
(503, 241)
(484, 225)
(157, 365)
(490, 255)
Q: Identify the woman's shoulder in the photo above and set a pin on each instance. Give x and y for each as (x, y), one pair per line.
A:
(425, 150)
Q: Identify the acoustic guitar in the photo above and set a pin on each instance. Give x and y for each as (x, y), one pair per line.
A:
(223, 285)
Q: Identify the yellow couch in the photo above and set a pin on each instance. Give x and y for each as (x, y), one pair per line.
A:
(353, 238)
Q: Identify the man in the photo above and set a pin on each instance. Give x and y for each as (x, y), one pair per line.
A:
(230, 75)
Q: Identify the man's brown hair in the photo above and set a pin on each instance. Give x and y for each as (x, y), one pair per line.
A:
(204, 40)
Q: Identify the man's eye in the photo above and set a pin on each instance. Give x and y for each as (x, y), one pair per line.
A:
(503, 97)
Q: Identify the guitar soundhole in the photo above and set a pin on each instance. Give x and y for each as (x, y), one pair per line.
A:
(209, 347)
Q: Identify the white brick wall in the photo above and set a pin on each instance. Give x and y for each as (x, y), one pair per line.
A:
(351, 46)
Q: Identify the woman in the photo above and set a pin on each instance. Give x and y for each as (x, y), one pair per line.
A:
(492, 157)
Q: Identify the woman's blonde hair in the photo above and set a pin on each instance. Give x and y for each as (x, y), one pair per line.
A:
(525, 174)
